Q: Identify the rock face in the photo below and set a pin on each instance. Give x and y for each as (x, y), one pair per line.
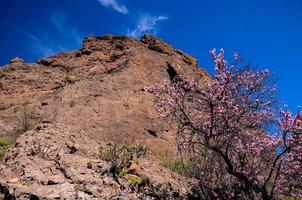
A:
(84, 99)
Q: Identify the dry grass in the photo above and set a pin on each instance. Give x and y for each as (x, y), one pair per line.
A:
(161, 150)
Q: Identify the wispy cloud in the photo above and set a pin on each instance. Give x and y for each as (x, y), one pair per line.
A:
(43, 50)
(58, 20)
(115, 5)
(27, 34)
(38, 46)
(146, 24)
(61, 36)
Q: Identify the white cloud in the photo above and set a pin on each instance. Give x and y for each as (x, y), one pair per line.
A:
(27, 34)
(146, 24)
(43, 50)
(38, 45)
(42, 43)
(58, 20)
(114, 5)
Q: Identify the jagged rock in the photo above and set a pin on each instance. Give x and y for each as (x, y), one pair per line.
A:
(16, 60)
(156, 44)
(67, 106)
(45, 61)
(71, 79)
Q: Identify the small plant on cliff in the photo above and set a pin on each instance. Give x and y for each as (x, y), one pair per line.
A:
(134, 180)
(119, 157)
(250, 149)
(82, 188)
(72, 148)
(4, 144)
(190, 60)
(89, 164)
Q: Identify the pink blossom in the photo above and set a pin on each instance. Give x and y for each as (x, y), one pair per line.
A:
(223, 122)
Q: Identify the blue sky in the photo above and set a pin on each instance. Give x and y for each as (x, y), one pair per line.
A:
(267, 33)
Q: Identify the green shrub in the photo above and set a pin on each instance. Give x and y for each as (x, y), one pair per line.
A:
(107, 154)
(123, 154)
(4, 145)
(4, 142)
(89, 164)
(119, 157)
(134, 180)
(124, 171)
(131, 151)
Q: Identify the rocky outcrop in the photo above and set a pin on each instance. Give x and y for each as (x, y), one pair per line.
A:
(43, 165)
(67, 106)
(16, 60)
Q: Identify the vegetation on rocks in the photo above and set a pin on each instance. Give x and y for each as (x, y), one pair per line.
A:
(182, 167)
(134, 180)
(231, 124)
(89, 164)
(119, 157)
(4, 145)
(211, 141)
(71, 103)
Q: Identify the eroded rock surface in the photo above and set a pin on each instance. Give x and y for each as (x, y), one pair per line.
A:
(82, 100)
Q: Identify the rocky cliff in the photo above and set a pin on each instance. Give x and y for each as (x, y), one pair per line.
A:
(60, 111)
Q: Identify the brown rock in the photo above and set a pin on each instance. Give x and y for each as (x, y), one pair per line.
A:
(16, 60)
(83, 99)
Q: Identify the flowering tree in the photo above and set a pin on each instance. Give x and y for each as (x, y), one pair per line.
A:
(228, 124)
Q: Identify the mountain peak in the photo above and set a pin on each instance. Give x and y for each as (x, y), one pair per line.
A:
(67, 106)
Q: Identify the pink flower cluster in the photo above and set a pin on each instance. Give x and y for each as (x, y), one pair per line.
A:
(228, 124)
